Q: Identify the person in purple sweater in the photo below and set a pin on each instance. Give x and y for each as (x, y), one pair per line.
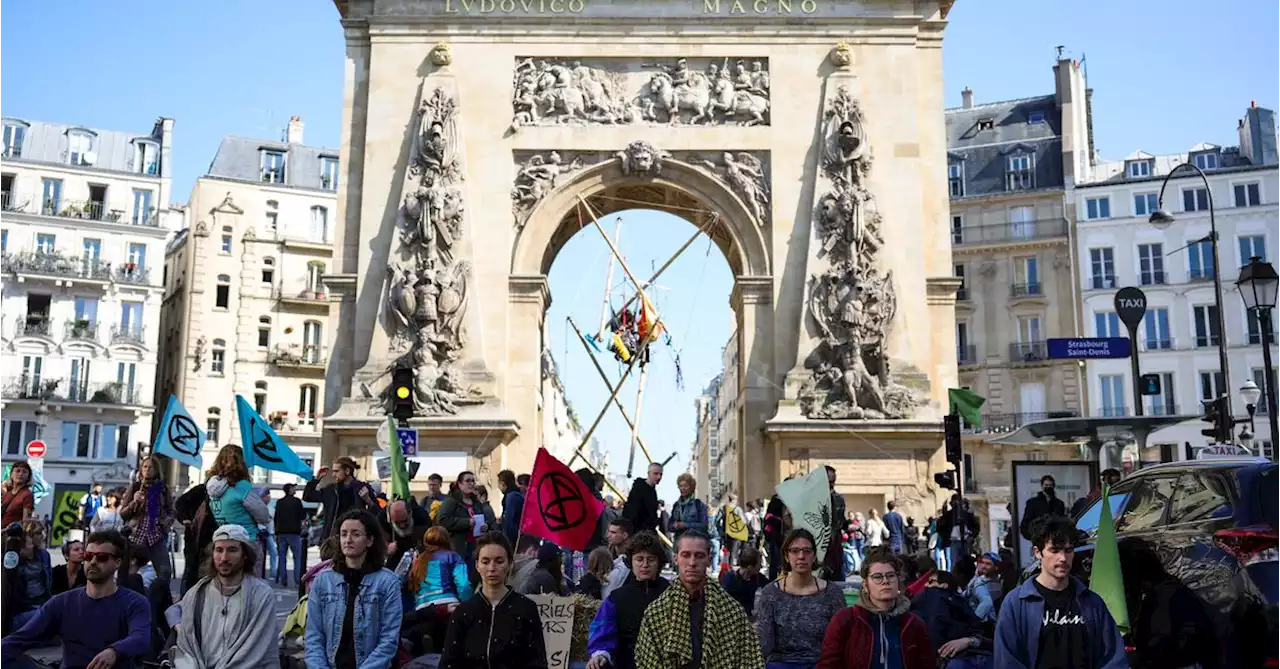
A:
(121, 629)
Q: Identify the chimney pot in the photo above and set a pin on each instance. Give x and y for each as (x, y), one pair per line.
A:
(966, 98)
(293, 133)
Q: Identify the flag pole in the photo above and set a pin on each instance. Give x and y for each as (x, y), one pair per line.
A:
(635, 427)
(605, 377)
(608, 282)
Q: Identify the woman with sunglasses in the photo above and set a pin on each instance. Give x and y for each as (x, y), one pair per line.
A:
(878, 631)
(466, 517)
(792, 612)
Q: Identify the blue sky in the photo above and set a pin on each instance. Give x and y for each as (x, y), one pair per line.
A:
(1166, 74)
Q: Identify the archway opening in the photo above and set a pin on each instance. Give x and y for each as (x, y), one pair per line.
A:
(689, 383)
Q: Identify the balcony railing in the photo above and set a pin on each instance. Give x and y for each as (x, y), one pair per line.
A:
(10, 202)
(114, 392)
(56, 264)
(967, 354)
(88, 210)
(1162, 409)
(1163, 344)
(1029, 351)
(307, 295)
(962, 294)
(34, 325)
(80, 329)
(131, 273)
(128, 334)
(1200, 274)
(1027, 289)
(1020, 231)
(1152, 278)
(1102, 282)
(1203, 341)
(28, 387)
(296, 355)
(1113, 412)
(995, 423)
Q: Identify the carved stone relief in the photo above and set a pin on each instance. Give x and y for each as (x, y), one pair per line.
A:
(725, 91)
(428, 284)
(538, 173)
(852, 300)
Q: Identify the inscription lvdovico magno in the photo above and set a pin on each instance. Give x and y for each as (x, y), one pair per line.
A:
(703, 7)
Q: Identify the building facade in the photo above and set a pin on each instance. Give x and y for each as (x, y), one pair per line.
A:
(245, 311)
(1178, 337)
(84, 227)
(1011, 166)
(561, 431)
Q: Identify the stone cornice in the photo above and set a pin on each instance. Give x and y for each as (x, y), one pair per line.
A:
(529, 288)
(752, 290)
(940, 291)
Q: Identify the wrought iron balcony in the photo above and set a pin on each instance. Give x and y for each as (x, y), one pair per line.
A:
(91, 210)
(296, 355)
(1157, 344)
(131, 273)
(967, 355)
(128, 334)
(10, 202)
(34, 325)
(1200, 274)
(311, 298)
(29, 387)
(998, 423)
(1031, 289)
(1028, 352)
(1102, 281)
(114, 392)
(1001, 233)
(58, 265)
(81, 329)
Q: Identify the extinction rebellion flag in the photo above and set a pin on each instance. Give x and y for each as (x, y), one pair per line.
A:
(558, 506)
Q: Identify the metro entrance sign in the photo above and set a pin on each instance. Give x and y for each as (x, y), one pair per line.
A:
(1089, 348)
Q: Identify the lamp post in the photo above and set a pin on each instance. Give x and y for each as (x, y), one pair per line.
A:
(1162, 219)
(1257, 284)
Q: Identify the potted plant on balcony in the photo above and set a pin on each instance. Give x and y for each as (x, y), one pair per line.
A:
(80, 329)
(277, 419)
(109, 394)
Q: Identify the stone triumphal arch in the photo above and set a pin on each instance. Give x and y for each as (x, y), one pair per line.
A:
(812, 132)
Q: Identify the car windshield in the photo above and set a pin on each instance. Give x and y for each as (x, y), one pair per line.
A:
(1267, 486)
(1088, 521)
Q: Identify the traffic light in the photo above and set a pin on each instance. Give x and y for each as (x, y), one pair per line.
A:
(1217, 413)
(402, 393)
(945, 480)
(951, 435)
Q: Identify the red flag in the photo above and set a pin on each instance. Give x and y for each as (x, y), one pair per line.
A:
(559, 507)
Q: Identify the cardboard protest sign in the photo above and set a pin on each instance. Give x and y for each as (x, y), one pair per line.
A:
(556, 614)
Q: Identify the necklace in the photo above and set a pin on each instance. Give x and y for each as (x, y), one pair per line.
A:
(227, 594)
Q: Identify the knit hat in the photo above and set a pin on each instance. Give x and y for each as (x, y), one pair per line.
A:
(232, 533)
(547, 551)
(994, 557)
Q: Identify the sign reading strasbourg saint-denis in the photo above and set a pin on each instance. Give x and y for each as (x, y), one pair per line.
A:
(1090, 348)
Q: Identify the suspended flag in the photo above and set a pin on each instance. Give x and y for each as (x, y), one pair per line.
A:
(399, 473)
(649, 328)
(263, 447)
(179, 437)
(809, 499)
(967, 404)
(40, 488)
(558, 506)
(620, 347)
(735, 525)
(1106, 578)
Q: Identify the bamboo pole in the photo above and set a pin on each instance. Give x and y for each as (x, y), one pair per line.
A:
(614, 488)
(605, 378)
(635, 427)
(608, 282)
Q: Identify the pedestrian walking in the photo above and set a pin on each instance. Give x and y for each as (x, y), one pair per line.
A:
(288, 526)
(897, 529)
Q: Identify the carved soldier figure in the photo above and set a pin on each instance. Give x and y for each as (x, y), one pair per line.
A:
(679, 73)
(427, 313)
(759, 78)
(741, 77)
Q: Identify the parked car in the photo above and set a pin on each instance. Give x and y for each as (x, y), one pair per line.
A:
(1213, 525)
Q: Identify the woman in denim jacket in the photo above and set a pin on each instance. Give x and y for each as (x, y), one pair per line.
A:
(354, 610)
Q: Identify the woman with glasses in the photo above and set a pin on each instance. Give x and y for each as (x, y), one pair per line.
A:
(792, 612)
(878, 631)
(466, 518)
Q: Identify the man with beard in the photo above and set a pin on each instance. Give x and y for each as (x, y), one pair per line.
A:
(404, 523)
(1045, 503)
(339, 491)
(228, 618)
(102, 626)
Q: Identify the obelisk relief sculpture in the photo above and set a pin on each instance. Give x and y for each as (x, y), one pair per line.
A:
(851, 298)
(428, 283)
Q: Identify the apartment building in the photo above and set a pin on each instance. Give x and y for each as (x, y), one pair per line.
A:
(85, 218)
(245, 311)
(1010, 168)
(716, 415)
(561, 430)
(1174, 266)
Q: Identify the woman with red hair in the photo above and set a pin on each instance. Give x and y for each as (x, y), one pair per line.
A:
(437, 582)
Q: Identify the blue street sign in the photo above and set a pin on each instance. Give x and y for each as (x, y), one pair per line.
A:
(408, 440)
(1092, 348)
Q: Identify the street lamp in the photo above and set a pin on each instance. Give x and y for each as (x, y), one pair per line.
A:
(1257, 284)
(1162, 219)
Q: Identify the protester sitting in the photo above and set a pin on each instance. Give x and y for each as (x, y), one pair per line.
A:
(599, 564)
(548, 577)
(878, 631)
(100, 625)
(232, 500)
(611, 640)
(955, 631)
(743, 583)
(34, 584)
(70, 574)
(500, 627)
(792, 613)
(437, 581)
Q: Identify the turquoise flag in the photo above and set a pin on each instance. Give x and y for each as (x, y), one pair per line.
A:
(179, 437)
(809, 499)
(263, 447)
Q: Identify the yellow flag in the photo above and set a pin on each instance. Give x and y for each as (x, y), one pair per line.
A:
(736, 525)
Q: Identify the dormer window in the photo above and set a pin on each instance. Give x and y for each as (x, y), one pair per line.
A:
(15, 136)
(986, 123)
(80, 147)
(329, 173)
(1035, 117)
(146, 157)
(273, 163)
(1206, 161)
(1136, 169)
(955, 179)
(1019, 175)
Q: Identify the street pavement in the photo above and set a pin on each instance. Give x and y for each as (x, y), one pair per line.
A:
(285, 598)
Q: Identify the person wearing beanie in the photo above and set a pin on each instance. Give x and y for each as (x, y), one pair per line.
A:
(548, 576)
(228, 618)
(984, 590)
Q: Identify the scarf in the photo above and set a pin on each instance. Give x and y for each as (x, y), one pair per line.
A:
(729, 641)
(148, 528)
(253, 644)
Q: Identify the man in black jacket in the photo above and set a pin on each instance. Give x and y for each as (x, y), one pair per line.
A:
(1045, 503)
(339, 491)
(642, 504)
(289, 515)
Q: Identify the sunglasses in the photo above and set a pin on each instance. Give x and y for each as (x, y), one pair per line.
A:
(100, 558)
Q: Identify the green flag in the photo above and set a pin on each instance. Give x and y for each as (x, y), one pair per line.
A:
(399, 473)
(966, 403)
(1106, 578)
